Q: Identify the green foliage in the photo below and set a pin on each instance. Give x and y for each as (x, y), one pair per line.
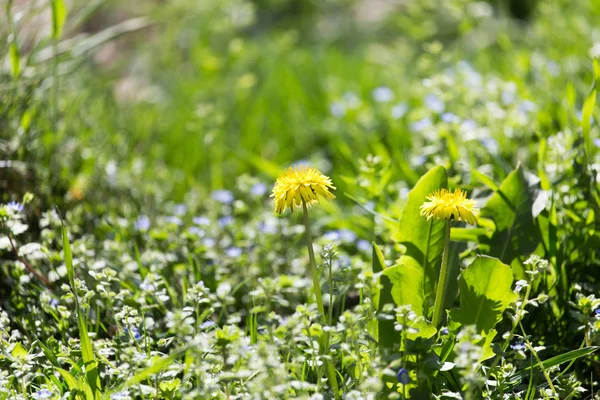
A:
(128, 117)
(485, 292)
(510, 208)
(424, 240)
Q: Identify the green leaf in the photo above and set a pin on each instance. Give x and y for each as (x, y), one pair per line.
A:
(552, 362)
(511, 210)
(69, 379)
(59, 15)
(424, 240)
(158, 365)
(15, 60)
(383, 329)
(586, 115)
(484, 179)
(87, 351)
(485, 292)
(68, 257)
(407, 282)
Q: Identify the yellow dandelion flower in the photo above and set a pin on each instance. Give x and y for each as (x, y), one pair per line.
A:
(296, 185)
(444, 204)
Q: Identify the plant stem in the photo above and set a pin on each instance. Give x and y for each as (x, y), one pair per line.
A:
(438, 309)
(330, 317)
(313, 263)
(331, 374)
(516, 322)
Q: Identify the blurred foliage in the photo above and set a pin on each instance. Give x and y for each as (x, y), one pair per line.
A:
(128, 117)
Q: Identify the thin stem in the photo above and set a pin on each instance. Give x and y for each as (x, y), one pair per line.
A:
(518, 318)
(330, 317)
(535, 354)
(438, 309)
(331, 375)
(313, 263)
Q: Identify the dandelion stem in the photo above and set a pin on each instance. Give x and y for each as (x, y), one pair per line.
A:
(438, 309)
(313, 263)
(331, 375)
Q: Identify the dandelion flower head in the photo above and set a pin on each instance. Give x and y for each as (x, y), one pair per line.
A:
(296, 185)
(444, 204)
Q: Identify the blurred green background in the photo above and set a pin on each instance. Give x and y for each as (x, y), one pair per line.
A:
(195, 93)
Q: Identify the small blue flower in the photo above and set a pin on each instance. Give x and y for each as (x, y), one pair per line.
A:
(142, 223)
(180, 209)
(383, 94)
(434, 103)
(209, 242)
(597, 142)
(421, 125)
(337, 109)
(364, 245)
(491, 144)
(123, 395)
(194, 230)
(207, 324)
(527, 106)
(233, 252)
(468, 125)
(345, 261)
(347, 235)
(15, 206)
(134, 332)
(201, 221)
(450, 118)
(444, 330)
(518, 346)
(399, 110)
(54, 302)
(225, 221)
(43, 394)
(300, 163)
(258, 189)
(267, 228)
(147, 287)
(223, 196)
(331, 236)
(597, 312)
(403, 376)
(173, 220)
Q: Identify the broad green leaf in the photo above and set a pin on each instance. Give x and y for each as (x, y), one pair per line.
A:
(424, 240)
(59, 15)
(485, 292)
(407, 282)
(511, 210)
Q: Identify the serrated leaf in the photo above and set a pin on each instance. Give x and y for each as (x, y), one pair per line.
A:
(485, 292)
